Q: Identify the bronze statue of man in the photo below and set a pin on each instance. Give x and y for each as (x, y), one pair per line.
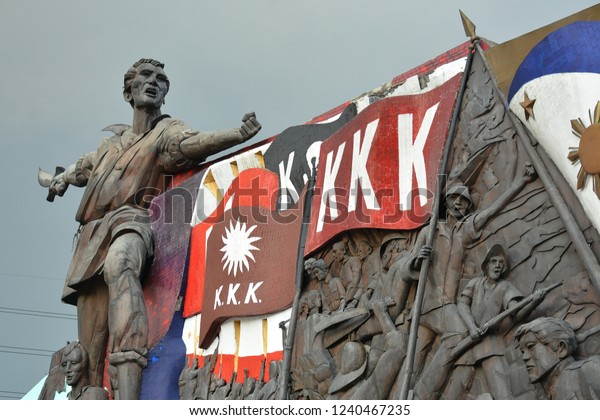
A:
(115, 239)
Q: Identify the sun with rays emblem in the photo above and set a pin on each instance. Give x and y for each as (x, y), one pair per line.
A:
(588, 152)
(238, 247)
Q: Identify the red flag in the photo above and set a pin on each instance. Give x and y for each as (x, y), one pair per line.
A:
(253, 187)
(380, 169)
(252, 255)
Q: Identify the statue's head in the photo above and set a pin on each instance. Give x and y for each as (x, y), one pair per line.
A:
(543, 343)
(458, 200)
(146, 84)
(320, 270)
(339, 250)
(495, 264)
(392, 247)
(74, 362)
(364, 249)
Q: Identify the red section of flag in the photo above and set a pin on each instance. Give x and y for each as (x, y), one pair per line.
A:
(252, 255)
(225, 365)
(380, 170)
(253, 187)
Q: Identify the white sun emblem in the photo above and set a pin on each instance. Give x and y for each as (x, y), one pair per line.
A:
(238, 247)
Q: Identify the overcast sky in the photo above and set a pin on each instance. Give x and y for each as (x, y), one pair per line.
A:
(61, 72)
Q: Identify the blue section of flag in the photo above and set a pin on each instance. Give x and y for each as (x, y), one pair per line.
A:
(166, 360)
(572, 48)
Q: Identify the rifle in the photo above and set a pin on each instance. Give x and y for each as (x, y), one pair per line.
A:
(464, 344)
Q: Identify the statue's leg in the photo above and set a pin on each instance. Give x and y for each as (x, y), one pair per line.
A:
(496, 375)
(127, 317)
(92, 325)
(425, 340)
(459, 382)
(433, 378)
(446, 322)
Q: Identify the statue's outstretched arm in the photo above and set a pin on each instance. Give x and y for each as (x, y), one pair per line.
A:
(199, 146)
(482, 218)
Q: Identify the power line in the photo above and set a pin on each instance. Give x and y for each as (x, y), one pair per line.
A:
(26, 348)
(42, 314)
(13, 392)
(25, 353)
(27, 276)
(38, 315)
(35, 311)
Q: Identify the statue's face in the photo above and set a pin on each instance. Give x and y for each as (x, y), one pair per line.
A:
(364, 249)
(149, 87)
(495, 267)
(393, 251)
(538, 357)
(73, 366)
(338, 251)
(458, 206)
(320, 274)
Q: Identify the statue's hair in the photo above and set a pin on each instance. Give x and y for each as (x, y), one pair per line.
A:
(75, 345)
(321, 264)
(549, 331)
(132, 72)
(309, 264)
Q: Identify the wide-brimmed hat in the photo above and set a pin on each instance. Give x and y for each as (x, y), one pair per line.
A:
(496, 249)
(389, 238)
(354, 363)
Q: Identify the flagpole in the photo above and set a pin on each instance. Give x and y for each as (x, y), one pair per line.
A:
(588, 258)
(416, 311)
(283, 391)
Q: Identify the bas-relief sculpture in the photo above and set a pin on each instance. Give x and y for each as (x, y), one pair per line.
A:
(115, 241)
(501, 260)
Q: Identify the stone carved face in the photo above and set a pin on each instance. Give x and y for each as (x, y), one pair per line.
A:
(363, 250)
(458, 206)
(149, 87)
(73, 367)
(495, 267)
(319, 274)
(539, 358)
(546, 343)
(394, 249)
(339, 251)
